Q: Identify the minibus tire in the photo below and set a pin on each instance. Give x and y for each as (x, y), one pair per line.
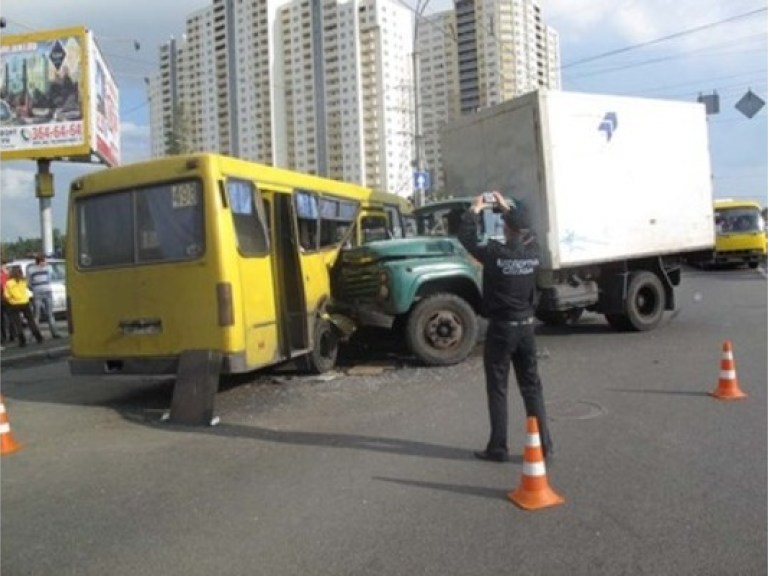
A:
(325, 348)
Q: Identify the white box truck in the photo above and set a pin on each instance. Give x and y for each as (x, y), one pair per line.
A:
(618, 188)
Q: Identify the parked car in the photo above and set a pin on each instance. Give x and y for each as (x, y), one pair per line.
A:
(58, 281)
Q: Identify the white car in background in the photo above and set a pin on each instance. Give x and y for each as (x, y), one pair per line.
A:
(58, 280)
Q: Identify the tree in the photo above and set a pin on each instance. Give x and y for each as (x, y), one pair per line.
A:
(176, 130)
(29, 247)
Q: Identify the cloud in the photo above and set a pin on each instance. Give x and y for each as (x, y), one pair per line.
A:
(19, 216)
(134, 142)
(633, 21)
(15, 183)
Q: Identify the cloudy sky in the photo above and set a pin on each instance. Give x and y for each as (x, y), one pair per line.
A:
(674, 49)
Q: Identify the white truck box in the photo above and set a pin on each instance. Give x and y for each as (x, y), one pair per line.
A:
(605, 178)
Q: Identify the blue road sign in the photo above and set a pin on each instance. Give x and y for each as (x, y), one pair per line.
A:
(421, 180)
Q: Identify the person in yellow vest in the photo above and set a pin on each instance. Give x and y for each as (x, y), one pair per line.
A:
(16, 294)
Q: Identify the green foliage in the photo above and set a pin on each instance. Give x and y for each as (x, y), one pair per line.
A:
(28, 247)
(177, 132)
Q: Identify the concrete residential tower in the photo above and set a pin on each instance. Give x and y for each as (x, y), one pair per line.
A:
(319, 86)
(326, 86)
(480, 54)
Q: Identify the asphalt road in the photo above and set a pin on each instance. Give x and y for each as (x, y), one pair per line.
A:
(370, 472)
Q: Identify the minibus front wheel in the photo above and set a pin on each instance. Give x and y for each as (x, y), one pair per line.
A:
(325, 348)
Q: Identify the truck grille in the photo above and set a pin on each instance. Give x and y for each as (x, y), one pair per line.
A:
(354, 283)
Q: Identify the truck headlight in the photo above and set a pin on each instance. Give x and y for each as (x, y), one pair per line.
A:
(383, 285)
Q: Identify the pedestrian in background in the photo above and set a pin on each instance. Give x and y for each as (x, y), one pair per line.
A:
(509, 303)
(42, 291)
(16, 294)
(8, 332)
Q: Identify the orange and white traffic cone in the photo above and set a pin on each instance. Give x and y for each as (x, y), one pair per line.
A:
(534, 491)
(8, 444)
(728, 384)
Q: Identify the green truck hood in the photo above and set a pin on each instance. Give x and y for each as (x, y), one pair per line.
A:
(419, 247)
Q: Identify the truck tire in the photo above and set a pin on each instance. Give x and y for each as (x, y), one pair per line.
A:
(560, 317)
(325, 349)
(644, 306)
(441, 330)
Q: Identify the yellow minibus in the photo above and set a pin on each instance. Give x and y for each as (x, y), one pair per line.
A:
(739, 233)
(206, 252)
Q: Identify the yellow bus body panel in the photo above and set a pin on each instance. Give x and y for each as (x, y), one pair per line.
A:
(183, 299)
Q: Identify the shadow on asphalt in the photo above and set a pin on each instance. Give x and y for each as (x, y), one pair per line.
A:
(322, 439)
(658, 391)
(491, 493)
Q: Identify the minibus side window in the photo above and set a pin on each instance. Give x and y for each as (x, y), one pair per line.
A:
(307, 213)
(246, 211)
(336, 217)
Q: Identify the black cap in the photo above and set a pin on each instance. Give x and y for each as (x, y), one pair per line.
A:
(517, 218)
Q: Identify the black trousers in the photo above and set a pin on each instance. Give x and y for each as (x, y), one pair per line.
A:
(507, 344)
(8, 330)
(16, 312)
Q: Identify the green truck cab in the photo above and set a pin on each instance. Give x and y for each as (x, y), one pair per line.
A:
(427, 286)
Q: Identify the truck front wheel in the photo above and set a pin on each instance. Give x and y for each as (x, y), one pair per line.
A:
(442, 330)
(644, 304)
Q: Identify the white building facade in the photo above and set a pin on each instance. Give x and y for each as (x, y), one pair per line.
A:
(495, 50)
(326, 86)
(319, 86)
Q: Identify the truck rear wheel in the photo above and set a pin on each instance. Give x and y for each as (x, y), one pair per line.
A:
(442, 330)
(644, 306)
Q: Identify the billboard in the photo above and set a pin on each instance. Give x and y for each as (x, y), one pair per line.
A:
(58, 98)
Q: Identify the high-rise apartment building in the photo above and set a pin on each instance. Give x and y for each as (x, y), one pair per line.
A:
(440, 97)
(504, 50)
(163, 94)
(495, 50)
(346, 75)
(320, 86)
(197, 79)
(326, 86)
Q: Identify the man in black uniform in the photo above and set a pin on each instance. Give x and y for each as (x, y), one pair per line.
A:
(509, 301)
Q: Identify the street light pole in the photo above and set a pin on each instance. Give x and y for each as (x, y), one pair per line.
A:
(418, 155)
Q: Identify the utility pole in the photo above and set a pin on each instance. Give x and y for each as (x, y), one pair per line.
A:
(418, 153)
(44, 193)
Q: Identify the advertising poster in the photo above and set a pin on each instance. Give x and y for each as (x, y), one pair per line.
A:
(58, 98)
(104, 110)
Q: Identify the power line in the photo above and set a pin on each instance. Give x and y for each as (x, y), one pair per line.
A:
(749, 73)
(135, 108)
(663, 38)
(661, 59)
